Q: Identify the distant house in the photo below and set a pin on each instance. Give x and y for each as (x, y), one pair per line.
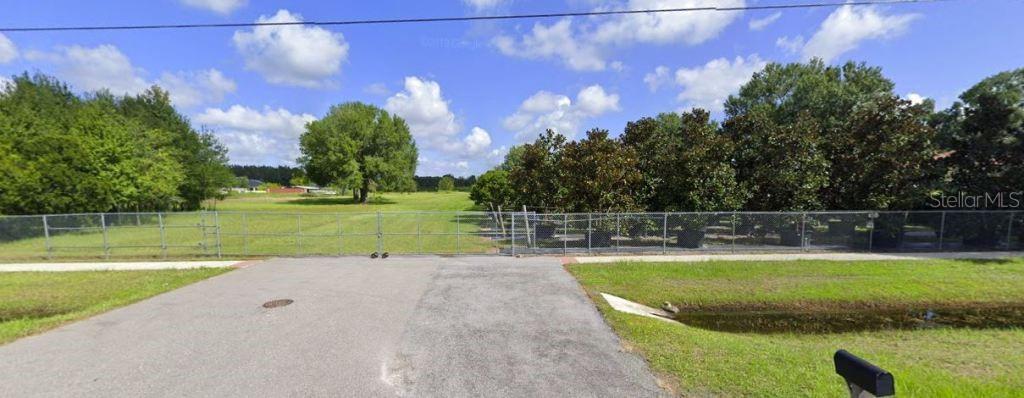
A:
(286, 190)
(254, 184)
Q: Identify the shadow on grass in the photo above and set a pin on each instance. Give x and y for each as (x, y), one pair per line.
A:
(339, 201)
(985, 261)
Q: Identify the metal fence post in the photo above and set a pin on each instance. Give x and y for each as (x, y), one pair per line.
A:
(590, 231)
(734, 218)
(163, 234)
(298, 234)
(617, 215)
(513, 214)
(202, 228)
(216, 222)
(664, 233)
(871, 234)
(106, 246)
(942, 229)
(341, 239)
(380, 233)
(803, 231)
(565, 233)
(245, 234)
(1009, 232)
(49, 249)
(458, 233)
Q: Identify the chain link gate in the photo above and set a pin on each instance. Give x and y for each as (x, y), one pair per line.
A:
(246, 234)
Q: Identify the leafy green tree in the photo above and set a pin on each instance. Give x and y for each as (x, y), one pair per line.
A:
(780, 167)
(685, 163)
(360, 146)
(894, 149)
(492, 189)
(446, 184)
(202, 157)
(299, 178)
(512, 158)
(598, 174)
(75, 155)
(848, 104)
(535, 177)
(984, 136)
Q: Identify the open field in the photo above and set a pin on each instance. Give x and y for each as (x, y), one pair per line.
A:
(32, 302)
(412, 201)
(258, 225)
(926, 362)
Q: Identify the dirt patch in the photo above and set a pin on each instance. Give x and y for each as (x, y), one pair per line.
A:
(852, 317)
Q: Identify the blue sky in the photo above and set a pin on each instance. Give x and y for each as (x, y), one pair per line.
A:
(471, 90)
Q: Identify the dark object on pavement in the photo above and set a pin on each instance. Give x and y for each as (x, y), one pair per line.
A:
(385, 255)
(373, 255)
(277, 303)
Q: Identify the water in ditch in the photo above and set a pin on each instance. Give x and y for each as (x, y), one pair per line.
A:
(916, 317)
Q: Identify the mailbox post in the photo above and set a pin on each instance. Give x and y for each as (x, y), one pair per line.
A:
(863, 379)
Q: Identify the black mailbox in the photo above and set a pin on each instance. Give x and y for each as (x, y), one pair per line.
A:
(861, 375)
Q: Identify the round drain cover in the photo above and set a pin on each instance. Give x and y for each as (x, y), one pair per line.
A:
(277, 303)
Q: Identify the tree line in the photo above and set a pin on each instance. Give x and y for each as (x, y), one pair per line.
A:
(61, 152)
(799, 136)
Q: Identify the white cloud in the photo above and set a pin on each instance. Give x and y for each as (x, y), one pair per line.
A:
(708, 86)
(668, 27)
(848, 26)
(545, 110)
(790, 44)
(8, 51)
(4, 81)
(293, 54)
(189, 89)
(434, 125)
(761, 23)
(481, 5)
(429, 166)
(223, 7)
(593, 100)
(555, 41)
(915, 98)
(426, 111)
(105, 67)
(97, 68)
(658, 78)
(582, 47)
(270, 136)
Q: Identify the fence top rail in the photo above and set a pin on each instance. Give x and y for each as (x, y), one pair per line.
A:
(519, 213)
(774, 213)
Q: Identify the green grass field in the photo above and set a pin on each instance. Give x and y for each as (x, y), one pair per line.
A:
(941, 362)
(32, 302)
(252, 225)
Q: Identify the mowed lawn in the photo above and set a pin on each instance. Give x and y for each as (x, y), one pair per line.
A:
(269, 224)
(32, 302)
(941, 362)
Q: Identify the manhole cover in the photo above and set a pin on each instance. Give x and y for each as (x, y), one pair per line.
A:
(277, 303)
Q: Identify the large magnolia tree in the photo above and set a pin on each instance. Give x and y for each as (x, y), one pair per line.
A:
(879, 149)
(984, 134)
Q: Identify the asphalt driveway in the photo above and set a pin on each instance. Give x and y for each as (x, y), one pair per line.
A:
(431, 326)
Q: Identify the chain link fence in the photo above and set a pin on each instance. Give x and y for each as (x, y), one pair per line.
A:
(247, 234)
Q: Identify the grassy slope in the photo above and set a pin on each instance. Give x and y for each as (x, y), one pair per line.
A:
(719, 283)
(276, 214)
(32, 302)
(926, 363)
